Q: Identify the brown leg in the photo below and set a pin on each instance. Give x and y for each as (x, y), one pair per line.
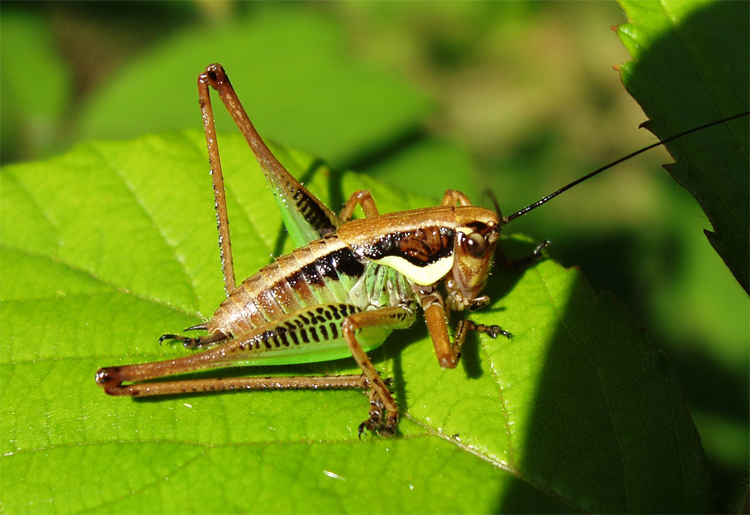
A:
(454, 198)
(216, 384)
(447, 352)
(139, 378)
(380, 397)
(233, 352)
(197, 342)
(217, 177)
(318, 219)
(364, 199)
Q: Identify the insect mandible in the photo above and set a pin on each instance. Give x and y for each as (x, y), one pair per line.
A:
(341, 292)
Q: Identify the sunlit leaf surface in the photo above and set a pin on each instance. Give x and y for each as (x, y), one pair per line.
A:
(113, 244)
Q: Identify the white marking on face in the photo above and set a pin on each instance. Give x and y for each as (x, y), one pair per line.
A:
(424, 275)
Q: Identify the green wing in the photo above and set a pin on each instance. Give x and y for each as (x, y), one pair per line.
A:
(305, 217)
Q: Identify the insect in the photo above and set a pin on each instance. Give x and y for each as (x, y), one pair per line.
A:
(348, 284)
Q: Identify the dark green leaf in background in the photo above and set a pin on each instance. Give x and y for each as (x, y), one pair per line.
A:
(295, 81)
(37, 92)
(691, 66)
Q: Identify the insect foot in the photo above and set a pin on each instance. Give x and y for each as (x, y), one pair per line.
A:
(526, 261)
(109, 379)
(189, 343)
(376, 423)
(493, 331)
(193, 343)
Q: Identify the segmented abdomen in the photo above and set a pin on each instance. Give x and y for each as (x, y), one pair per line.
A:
(320, 273)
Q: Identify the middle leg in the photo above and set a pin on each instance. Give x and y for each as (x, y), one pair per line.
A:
(380, 396)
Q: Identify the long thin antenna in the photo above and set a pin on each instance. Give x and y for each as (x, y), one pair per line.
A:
(615, 163)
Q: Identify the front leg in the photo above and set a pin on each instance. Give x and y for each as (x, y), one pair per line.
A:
(448, 352)
(522, 262)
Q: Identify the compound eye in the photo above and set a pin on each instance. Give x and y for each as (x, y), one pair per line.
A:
(474, 244)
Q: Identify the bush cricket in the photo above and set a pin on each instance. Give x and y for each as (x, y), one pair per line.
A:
(341, 292)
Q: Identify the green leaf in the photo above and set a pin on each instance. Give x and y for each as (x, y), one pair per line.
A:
(36, 85)
(293, 70)
(690, 67)
(117, 246)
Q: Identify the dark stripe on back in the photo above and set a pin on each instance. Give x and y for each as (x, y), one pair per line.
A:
(420, 247)
(341, 261)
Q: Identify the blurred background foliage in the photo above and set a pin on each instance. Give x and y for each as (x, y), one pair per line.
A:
(514, 97)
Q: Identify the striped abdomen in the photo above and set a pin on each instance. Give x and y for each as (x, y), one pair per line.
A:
(323, 272)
